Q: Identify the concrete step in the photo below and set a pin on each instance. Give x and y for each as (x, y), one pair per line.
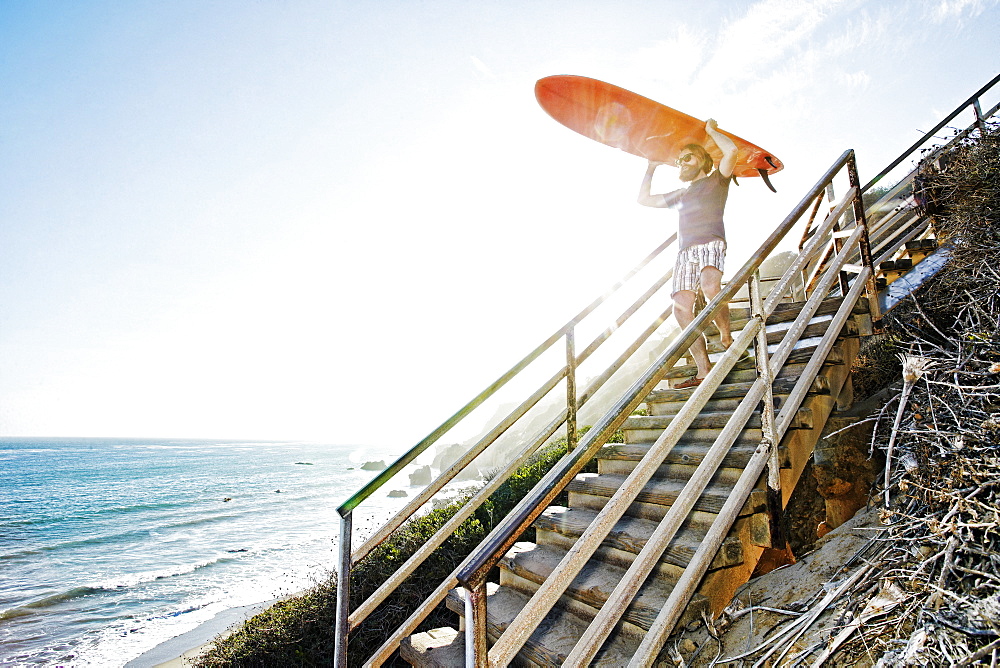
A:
(438, 648)
(554, 638)
(560, 527)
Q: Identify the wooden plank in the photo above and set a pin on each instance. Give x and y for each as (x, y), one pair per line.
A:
(782, 387)
(594, 583)
(802, 420)
(683, 453)
(555, 636)
(659, 492)
(630, 534)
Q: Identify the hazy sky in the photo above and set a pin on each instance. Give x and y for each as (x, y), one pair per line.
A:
(340, 220)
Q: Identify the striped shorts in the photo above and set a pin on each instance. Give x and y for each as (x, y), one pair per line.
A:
(691, 260)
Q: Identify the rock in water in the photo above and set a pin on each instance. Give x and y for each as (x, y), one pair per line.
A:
(373, 466)
(422, 476)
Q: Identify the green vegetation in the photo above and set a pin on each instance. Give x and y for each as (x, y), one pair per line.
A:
(299, 631)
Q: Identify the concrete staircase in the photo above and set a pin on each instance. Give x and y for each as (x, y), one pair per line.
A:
(528, 564)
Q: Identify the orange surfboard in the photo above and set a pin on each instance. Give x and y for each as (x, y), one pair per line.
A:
(635, 124)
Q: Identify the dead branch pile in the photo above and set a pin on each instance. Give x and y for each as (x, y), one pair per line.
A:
(932, 592)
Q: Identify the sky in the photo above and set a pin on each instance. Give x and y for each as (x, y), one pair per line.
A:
(339, 221)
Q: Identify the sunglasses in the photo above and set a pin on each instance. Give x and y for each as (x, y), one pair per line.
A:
(685, 158)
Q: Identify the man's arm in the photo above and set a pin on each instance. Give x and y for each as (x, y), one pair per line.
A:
(658, 201)
(726, 145)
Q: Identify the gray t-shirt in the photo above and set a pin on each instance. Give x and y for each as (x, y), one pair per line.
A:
(701, 206)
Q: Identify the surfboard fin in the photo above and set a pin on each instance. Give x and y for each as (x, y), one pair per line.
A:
(735, 182)
(767, 179)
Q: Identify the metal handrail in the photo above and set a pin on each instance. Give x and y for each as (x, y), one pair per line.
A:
(586, 545)
(890, 232)
(768, 368)
(973, 102)
(665, 621)
(473, 573)
(560, 475)
(371, 487)
(346, 621)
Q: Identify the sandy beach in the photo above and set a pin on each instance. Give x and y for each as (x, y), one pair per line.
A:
(183, 649)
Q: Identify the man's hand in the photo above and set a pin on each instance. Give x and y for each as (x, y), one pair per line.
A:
(726, 145)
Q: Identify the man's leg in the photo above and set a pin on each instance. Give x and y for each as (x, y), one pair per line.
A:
(711, 285)
(684, 312)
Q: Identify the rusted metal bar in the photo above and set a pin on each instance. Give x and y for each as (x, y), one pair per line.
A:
(764, 372)
(571, 388)
(475, 627)
(808, 231)
(343, 592)
(831, 222)
(864, 244)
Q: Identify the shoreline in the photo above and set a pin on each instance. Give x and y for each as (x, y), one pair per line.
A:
(181, 650)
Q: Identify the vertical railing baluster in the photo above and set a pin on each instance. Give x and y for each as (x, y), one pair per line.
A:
(571, 388)
(767, 415)
(864, 246)
(343, 593)
(475, 626)
(979, 115)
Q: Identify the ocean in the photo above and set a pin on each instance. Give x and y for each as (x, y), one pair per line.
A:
(109, 547)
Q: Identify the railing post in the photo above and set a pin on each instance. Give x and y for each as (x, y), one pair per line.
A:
(476, 651)
(979, 114)
(864, 246)
(343, 593)
(571, 401)
(774, 502)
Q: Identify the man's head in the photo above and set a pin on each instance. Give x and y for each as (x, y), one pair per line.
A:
(693, 160)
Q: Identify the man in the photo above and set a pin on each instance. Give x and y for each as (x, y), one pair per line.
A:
(702, 247)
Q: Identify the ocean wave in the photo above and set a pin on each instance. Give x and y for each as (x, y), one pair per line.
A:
(145, 577)
(47, 602)
(113, 585)
(125, 537)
